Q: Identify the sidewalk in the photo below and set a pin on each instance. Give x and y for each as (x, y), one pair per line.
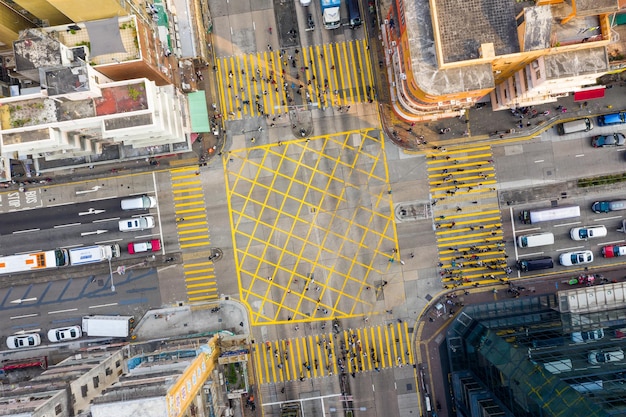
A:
(480, 125)
(197, 320)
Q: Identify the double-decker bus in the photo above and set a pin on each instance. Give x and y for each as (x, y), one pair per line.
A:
(28, 262)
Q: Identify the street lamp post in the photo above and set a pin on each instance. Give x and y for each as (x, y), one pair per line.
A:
(111, 276)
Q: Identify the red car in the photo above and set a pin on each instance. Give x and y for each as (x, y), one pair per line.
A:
(153, 245)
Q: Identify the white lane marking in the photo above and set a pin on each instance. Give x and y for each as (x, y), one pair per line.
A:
(62, 311)
(531, 254)
(102, 198)
(610, 243)
(103, 305)
(567, 224)
(580, 155)
(572, 248)
(106, 220)
(60, 204)
(538, 161)
(25, 231)
(24, 316)
(67, 225)
(607, 218)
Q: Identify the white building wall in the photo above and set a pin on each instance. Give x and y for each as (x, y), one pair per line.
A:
(144, 407)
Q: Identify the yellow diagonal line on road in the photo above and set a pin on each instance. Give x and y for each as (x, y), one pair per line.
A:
(191, 210)
(197, 264)
(203, 284)
(186, 183)
(202, 291)
(195, 203)
(187, 161)
(190, 238)
(202, 278)
(186, 225)
(194, 245)
(190, 232)
(188, 197)
(187, 190)
(206, 297)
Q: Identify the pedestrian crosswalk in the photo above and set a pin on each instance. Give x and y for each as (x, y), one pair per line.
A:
(272, 82)
(349, 351)
(466, 215)
(193, 234)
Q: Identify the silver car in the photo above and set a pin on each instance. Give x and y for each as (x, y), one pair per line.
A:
(580, 337)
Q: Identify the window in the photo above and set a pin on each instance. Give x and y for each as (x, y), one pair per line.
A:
(117, 364)
(96, 381)
(108, 372)
(83, 390)
(58, 409)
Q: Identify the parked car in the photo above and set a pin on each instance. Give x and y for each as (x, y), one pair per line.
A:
(615, 139)
(580, 337)
(596, 356)
(588, 232)
(606, 206)
(612, 119)
(64, 334)
(23, 341)
(576, 258)
(153, 245)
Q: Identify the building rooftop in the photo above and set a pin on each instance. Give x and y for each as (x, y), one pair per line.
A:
(35, 50)
(574, 63)
(428, 75)
(464, 25)
(78, 35)
(525, 357)
(65, 80)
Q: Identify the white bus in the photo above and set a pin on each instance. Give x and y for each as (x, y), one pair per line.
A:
(548, 214)
(92, 254)
(34, 261)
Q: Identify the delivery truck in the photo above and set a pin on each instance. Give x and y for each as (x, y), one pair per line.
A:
(330, 13)
(93, 254)
(108, 326)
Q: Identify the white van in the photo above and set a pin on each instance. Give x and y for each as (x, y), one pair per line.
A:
(537, 239)
(136, 223)
(581, 125)
(556, 367)
(588, 232)
(143, 202)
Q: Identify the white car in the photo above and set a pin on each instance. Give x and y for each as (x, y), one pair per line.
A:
(136, 223)
(576, 258)
(588, 232)
(65, 333)
(580, 337)
(23, 341)
(595, 356)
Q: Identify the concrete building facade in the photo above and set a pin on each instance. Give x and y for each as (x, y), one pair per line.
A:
(441, 60)
(75, 115)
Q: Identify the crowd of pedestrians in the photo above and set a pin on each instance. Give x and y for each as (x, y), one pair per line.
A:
(462, 185)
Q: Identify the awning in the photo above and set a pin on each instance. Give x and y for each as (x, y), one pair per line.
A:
(590, 94)
(198, 112)
(105, 37)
